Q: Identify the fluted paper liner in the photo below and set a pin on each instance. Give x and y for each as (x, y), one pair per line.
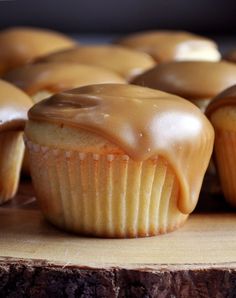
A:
(11, 155)
(105, 195)
(225, 153)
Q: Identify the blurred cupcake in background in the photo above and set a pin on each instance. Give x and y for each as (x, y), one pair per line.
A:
(42, 80)
(21, 45)
(167, 45)
(128, 63)
(197, 81)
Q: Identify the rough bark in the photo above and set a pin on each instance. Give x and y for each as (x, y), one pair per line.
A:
(39, 279)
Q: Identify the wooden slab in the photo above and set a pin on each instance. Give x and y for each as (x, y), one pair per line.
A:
(184, 261)
(203, 240)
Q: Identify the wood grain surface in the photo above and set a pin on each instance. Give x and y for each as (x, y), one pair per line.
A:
(198, 260)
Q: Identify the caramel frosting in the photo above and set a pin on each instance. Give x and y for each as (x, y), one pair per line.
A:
(19, 45)
(14, 105)
(225, 98)
(193, 80)
(128, 63)
(166, 46)
(144, 123)
(57, 77)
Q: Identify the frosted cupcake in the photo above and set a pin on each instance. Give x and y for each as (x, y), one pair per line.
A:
(127, 63)
(167, 45)
(196, 81)
(21, 45)
(14, 105)
(42, 80)
(222, 114)
(117, 160)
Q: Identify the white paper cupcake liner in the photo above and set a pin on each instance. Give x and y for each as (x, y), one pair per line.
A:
(105, 195)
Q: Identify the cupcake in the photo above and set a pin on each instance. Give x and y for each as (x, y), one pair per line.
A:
(126, 62)
(222, 114)
(117, 160)
(165, 46)
(197, 81)
(45, 79)
(21, 45)
(14, 105)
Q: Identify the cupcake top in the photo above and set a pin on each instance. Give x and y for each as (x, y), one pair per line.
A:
(145, 123)
(192, 80)
(14, 105)
(224, 101)
(166, 45)
(20, 45)
(127, 63)
(57, 77)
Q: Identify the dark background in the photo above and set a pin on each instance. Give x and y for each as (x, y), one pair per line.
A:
(214, 17)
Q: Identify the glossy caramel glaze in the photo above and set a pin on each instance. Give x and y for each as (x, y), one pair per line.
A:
(225, 98)
(191, 80)
(166, 45)
(21, 45)
(57, 77)
(14, 105)
(126, 62)
(145, 123)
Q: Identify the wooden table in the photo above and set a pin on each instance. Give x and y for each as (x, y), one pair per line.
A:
(38, 260)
